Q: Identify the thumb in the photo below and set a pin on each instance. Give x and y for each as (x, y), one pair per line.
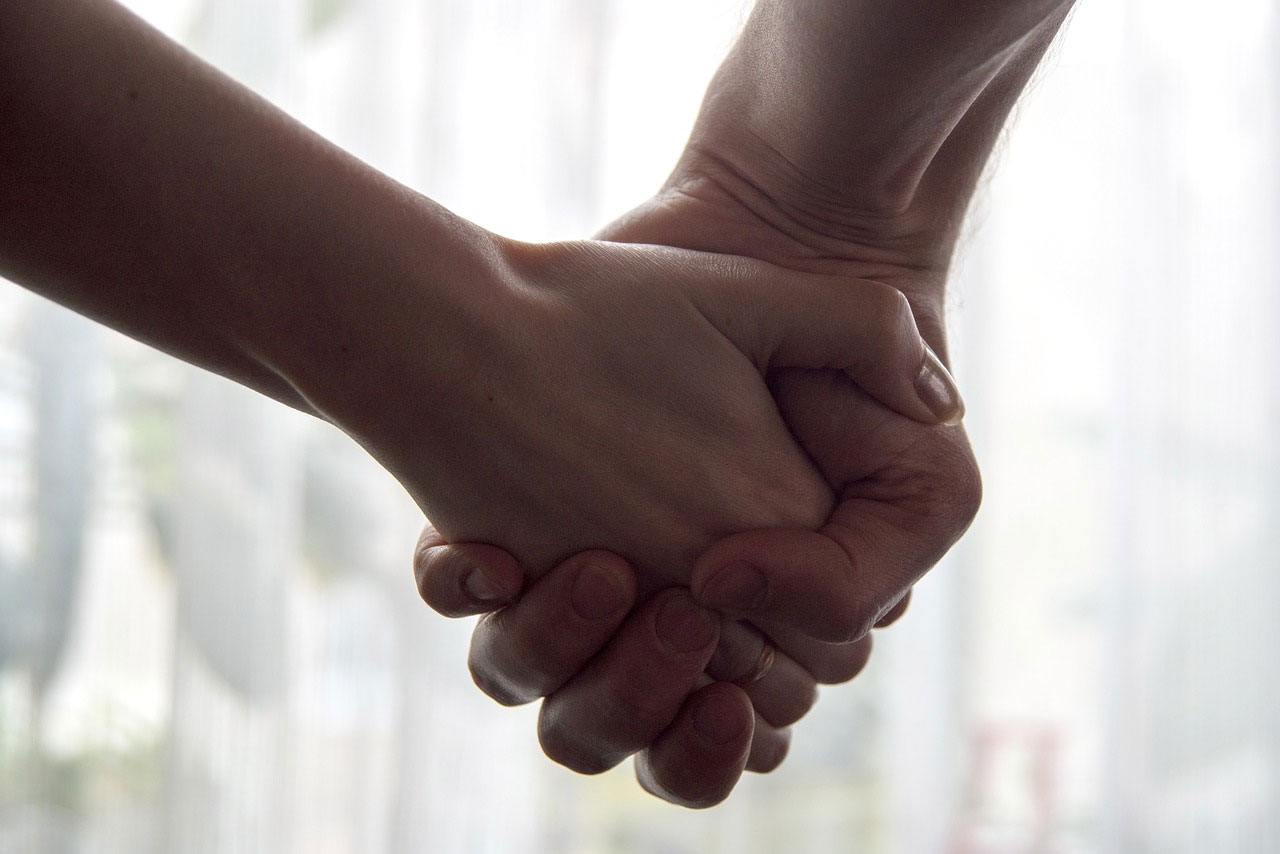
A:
(865, 329)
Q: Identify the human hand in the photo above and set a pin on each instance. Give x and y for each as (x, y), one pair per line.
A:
(864, 173)
(820, 205)
(613, 686)
(908, 490)
(618, 680)
(613, 683)
(598, 395)
(862, 168)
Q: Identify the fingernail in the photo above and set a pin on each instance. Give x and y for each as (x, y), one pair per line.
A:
(684, 626)
(719, 719)
(480, 588)
(597, 593)
(937, 390)
(738, 587)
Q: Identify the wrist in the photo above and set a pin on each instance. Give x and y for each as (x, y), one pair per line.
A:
(381, 306)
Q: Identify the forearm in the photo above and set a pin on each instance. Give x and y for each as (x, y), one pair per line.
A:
(142, 188)
(856, 115)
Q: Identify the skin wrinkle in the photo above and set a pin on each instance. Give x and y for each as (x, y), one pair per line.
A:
(809, 223)
(900, 152)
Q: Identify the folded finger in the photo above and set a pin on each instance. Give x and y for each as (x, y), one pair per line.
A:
(780, 690)
(827, 663)
(895, 613)
(907, 494)
(796, 577)
(530, 648)
(697, 760)
(863, 328)
(632, 691)
(769, 747)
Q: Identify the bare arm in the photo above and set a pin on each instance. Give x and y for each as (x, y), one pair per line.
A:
(874, 88)
(544, 397)
(860, 129)
(143, 188)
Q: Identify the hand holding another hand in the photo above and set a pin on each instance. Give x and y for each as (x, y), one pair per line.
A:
(844, 139)
(611, 396)
(638, 670)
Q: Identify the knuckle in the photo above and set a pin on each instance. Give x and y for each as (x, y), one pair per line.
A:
(944, 484)
(969, 496)
(423, 551)
(963, 487)
(888, 308)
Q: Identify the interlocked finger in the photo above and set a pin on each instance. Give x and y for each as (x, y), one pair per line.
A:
(827, 663)
(697, 760)
(632, 691)
(532, 647)
(781, 690)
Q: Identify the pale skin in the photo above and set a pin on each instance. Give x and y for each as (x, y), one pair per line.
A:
(544, 399)
(838, 137)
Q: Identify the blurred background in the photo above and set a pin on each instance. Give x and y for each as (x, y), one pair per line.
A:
(209, 635)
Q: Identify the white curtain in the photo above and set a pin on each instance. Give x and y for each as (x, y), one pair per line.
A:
(209, 636)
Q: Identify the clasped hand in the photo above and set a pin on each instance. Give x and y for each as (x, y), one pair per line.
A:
(639, 372)
(842, 139)
(862, 172)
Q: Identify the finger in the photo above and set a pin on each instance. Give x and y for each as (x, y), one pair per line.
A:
(891, 526)
(900, 511)
(782, 694)
(865, 329)
(799, 578)
(827, 663)
(893, 79)
(895, 613)
(634, 688)
(769, 747)
(530, 648)
(461, 579)
(835, 584)
(699, 758)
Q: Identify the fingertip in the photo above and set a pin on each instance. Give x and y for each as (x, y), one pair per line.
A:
(604, 585)
(769, 750)
(463, 579)
(798, 578)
